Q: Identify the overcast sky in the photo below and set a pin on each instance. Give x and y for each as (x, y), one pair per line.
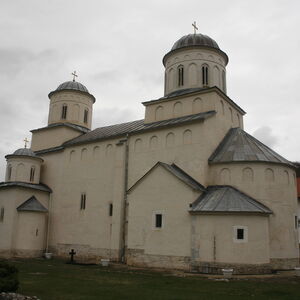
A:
(117, 48)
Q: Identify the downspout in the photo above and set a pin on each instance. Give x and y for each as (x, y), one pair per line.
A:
(48, 225)
(125, 203)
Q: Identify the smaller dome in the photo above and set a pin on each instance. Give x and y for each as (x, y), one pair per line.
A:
(24, 152)
(72, 85)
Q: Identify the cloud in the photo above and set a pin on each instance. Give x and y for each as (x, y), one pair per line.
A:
(265, 135)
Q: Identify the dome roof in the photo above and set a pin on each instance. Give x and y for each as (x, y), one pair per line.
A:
(72, 85)
(24, 152)
(198, 39)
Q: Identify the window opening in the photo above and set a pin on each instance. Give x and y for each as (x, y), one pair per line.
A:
(240, 234)
(2, 214)
(86, 113)
(83, 201)
(158, 220)
(205, 75)
(32, 171)
(9, 172)
(64, 112)
(180, 76)
(110, 209)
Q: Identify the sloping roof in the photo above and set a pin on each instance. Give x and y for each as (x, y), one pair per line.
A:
(239, 146)
(226, 199)
(32, 204)
(134, 127)
(70, 125)
(176, 171)
(40, 187)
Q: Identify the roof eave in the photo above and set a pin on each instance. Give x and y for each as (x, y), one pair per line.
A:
(72, 90)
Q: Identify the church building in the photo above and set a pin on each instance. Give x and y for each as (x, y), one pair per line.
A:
(185, 188)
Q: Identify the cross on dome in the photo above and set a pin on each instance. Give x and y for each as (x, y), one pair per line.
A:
(195, 27)
(74, 75)
(26, 141)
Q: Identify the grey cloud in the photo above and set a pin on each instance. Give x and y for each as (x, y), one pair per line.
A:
(265, 135)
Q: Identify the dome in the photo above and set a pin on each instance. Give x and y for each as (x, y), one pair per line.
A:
(72, 85)
(192, 40)
(24, 152)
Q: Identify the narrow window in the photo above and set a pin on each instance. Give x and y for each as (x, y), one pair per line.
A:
(240, 234)
(64, 112)
(180, 76)
(86, 113)
(82, 201)
(205, 75)
(32, 171)
(158, 221)
(8, 172)
(296, 222)
(2, 214)
(110, 209)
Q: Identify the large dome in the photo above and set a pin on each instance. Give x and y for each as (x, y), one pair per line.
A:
(198, 39)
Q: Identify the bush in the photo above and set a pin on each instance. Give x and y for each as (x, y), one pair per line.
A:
(8, 277)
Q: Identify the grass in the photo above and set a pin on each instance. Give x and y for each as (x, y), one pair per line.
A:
(57, 280)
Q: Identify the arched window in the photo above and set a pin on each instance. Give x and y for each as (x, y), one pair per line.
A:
(153, 142)
(177, 109)
(187, 137)
(2, 214)
(180, 75)
(170, 139)
(224, 81)
(159, 113)
(86, 115)
(138, 145)
(205, 75)
(8, 176)
(64, 112)
(32, 171)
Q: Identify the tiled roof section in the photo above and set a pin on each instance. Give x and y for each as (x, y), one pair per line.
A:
(226, 199)
(134, 127)
(176, 171)
(239, 146)
(70, 125)
(32, 204)
(41, 187)
(179, 173)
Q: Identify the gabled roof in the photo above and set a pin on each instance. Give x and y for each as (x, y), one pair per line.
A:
(176, 171)
(66, 124)
(239, 146)
(134, 127)
(40, 187)
(32, 204)
(227, 199)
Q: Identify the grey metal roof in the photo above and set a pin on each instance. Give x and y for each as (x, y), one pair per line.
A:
(239, 146)
(196, 40)
(227, 199)
(185, 92)
(40, 187)
(26, 152)
(66, 124)
(74, 86)
(134, 127)
(176, 171)
(32, 204)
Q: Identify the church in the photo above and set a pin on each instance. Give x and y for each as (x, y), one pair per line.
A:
(184, 188)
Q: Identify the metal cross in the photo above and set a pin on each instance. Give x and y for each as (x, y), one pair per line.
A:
(72, 253)
(195, 27)
(26, 141)
(74, 75)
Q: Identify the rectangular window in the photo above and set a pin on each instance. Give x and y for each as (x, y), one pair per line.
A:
(83, 201)
(64, 112)
(2, 214)
(32, 174)
(86, 113)
(240, 234)
(296, 222)
(110, 209)
(158, 220)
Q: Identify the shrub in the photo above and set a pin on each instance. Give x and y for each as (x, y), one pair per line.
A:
(8, 277)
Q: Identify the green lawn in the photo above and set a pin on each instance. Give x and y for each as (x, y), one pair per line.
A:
(56, 280)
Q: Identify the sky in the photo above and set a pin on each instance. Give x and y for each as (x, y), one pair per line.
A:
(117, 47)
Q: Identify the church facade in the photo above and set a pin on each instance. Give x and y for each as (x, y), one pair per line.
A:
(186, 187)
